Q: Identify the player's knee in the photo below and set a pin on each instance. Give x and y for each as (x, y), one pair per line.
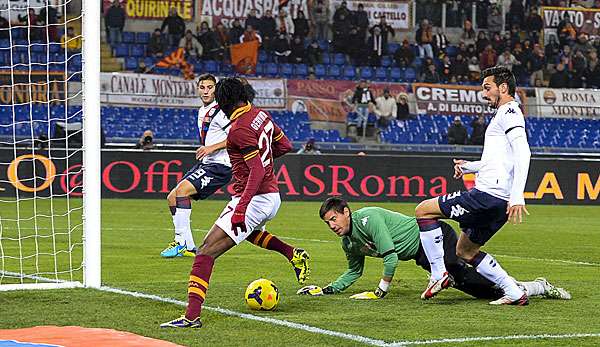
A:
(465, 254)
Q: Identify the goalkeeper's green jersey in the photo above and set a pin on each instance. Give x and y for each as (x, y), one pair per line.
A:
(381, 233)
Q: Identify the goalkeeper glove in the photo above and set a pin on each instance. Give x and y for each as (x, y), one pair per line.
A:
(377, 294)
(315, 290)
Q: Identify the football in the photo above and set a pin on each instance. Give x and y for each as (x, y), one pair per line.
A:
(262, 294)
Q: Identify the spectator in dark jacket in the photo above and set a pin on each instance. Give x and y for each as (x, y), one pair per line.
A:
(457, 133)
(386, 29)
(212, 48)
(157, 44)
(559, 79)
(298, 53)
(314, 53)
(281, 48)
(49, 16)
(176, 27)
(320, 20)
(301, 26)
(376, 47)
(268, 29)
(341, 31)
(404, 55)
(478, 134)
(253, 20)
(533, 25)
(4, 28)
(460, 68)
(362, 99)
(236, 31)
(115, 22)
(360, 20)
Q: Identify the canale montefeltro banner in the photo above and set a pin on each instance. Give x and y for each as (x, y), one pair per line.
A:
(137, 174)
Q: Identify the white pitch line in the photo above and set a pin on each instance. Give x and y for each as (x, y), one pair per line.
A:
(493, 338)
(285, 323)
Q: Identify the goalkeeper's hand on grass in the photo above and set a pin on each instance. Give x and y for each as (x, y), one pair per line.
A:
(315, 290)
(377, 294)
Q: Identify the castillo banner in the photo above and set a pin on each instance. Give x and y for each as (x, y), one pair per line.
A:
(21, 87)
(455, 99)
(330, 101)
(137, 174)
(584, 20)
(396, 13)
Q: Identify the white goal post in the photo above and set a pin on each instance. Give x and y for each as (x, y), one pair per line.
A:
(49, 238)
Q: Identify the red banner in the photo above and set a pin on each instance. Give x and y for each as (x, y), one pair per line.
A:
(330, 100)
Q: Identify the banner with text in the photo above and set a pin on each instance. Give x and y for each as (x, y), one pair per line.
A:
(397, 13)
(330, 101)
(584, 20)
(21, 87)
(154, 9)
(270, 93)
(455, 99)
(568, 103)
(225, 11)
(152, 174)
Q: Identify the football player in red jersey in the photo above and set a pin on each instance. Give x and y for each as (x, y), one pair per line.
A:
(253, 142)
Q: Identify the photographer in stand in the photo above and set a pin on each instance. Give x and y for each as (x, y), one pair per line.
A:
(146, 142)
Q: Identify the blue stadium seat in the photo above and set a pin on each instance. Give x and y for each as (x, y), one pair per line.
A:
(452, 51)
(392, 47)
(326, 59)
(339, 59)
(271, 69)
(410, 74)
(142, 38)
(211, 66)
(121, 50)
(260, 69)
(333, 71)
(286, 70)
(381, 74)
(131, 63)
(349, 72)
(301, 71)
(366, 72)
(320, 71)
(386, 61)
(128, 37)
(396, 75)
(263, 57)
(138, 51)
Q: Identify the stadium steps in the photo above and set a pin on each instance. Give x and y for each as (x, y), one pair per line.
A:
(108, 62)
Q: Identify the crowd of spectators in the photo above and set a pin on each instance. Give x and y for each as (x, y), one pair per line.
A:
(567, 59)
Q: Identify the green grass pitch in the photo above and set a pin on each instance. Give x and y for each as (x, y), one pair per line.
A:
(561, 243)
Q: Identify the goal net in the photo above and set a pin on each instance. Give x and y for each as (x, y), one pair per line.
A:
(49, 144)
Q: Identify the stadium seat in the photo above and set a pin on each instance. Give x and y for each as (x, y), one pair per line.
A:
(381, 74)
(339, 59)
(333, 71)
(260, 69)
(452, 51)
(142, 37)
(320, 71)
(349, 72)
(121, 50)
(271, 70)
(396, 75)
(410, 75)
(286, 70)
(301, 71)
(131, 63)
(326, 58)
(211, 66)
(263, 57)
(386, 61)
(392, 47)
(138, 51)
(366, 72)
(128, 37)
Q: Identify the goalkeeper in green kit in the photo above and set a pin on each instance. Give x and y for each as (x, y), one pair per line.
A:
(381, 233)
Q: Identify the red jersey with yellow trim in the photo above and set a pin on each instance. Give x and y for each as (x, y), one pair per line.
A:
(252, 133)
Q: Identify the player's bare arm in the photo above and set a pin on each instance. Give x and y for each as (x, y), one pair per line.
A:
(203, 151)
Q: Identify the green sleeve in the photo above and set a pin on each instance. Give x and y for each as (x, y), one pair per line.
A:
(356, 264)
(383, 241)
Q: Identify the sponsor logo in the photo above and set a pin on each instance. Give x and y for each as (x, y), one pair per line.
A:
(365, 220)
(457, 211)
(549, 97)
(205, 181)
(438, 239)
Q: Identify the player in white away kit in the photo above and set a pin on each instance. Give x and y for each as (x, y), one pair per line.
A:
(211, 172)
(496, 198)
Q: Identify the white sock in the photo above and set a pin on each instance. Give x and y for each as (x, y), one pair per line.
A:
(490, 269)
(181, 219)
(533, 288)
(178, 236)
(432, 242)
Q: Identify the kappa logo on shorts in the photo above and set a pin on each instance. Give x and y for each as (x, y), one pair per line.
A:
(205, 181)
(457, 211)
(450, 196)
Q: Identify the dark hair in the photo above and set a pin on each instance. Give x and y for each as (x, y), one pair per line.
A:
(229, 93)
(501, 75)
(207, 77)
(250, 92)
(333, 203)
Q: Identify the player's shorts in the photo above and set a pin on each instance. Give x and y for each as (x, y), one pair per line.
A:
(480, 214)
(262, 208)
(207, 178)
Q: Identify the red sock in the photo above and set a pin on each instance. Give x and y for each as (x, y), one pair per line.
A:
(268, 241)
(198, 284)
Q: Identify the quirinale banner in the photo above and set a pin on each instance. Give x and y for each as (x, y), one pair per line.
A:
(407, 178)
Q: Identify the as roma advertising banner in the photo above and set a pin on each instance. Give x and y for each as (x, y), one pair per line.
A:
(569, 103)
(455, 99)
(330, 100)
(585, 20)
(137, 174)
